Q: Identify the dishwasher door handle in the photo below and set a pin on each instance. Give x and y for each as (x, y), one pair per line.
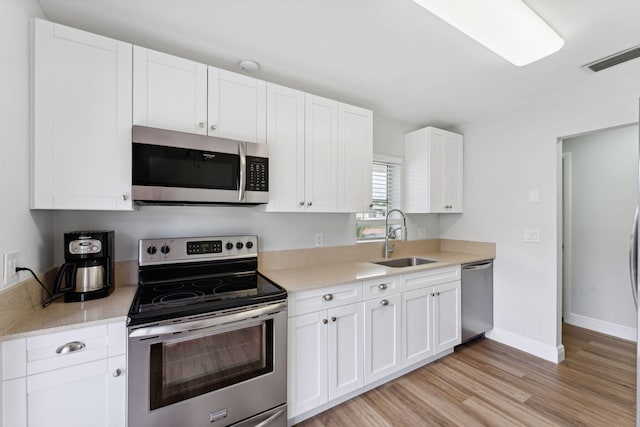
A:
(477, 266)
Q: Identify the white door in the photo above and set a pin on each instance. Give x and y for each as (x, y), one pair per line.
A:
(321, 154)
(447, 315)
(77, 396)
(82, 120)
(169, 92)
(307, 362)
(237, 106)
(345, 349)
(452, 173)
(355, 146)
(381, 337)
(417, 325)
(285, 137)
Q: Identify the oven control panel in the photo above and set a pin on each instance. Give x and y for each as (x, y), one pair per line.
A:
(189, 249)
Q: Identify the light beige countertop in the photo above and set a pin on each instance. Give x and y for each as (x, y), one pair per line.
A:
(306, 277)
(60, 315)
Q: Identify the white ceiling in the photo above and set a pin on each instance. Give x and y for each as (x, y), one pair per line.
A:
(388, 55)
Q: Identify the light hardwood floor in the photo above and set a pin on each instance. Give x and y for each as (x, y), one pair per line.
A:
(485, 383)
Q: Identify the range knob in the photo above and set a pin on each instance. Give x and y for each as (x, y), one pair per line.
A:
(165, 249)
(229, 246)
(239, 245)
(152, 250)
(249, 245)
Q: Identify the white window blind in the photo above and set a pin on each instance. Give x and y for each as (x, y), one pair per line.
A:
(386, 191)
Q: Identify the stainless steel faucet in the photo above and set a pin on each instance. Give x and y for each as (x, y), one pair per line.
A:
(389, 233)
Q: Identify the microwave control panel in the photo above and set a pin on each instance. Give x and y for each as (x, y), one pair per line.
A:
(257, 174)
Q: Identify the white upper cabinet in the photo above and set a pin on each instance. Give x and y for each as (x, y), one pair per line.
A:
(169, 92)
(81, 120)
(433, 171)
(237, 106)
(321, 155)
(355, 152)
(285, 137)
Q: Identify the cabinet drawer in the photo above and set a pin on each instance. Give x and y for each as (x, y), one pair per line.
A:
(433, 277)
(47, 352)
(324, 298)
(380, 287)
(14, 358)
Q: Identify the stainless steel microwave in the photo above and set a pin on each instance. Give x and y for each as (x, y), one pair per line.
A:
(171, 167)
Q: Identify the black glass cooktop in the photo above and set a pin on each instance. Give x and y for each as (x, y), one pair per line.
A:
(163, 300)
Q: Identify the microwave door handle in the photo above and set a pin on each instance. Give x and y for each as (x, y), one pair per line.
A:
(242, 152)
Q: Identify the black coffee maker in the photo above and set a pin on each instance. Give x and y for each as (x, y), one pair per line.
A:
(88, 269)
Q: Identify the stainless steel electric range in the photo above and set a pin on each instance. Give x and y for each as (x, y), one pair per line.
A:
(207, 336)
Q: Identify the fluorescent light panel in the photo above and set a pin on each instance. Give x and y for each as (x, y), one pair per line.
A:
(507, 27)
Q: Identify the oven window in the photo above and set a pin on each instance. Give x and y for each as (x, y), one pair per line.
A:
(184, 369)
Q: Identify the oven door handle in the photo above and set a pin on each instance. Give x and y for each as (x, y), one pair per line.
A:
(157, 330)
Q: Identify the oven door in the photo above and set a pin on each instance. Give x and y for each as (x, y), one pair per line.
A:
(220, 369)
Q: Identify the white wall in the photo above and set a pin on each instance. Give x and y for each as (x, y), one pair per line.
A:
(20, 229)
(505, 158)
(603, 195)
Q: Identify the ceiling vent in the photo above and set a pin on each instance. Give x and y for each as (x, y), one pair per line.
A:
(611, 60)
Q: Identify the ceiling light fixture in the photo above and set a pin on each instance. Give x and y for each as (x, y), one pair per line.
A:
(507, 27)
(249, 66)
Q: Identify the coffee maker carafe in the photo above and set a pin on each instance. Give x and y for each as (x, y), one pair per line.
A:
(88, 269)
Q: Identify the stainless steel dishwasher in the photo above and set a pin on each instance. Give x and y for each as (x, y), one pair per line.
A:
(477, 299)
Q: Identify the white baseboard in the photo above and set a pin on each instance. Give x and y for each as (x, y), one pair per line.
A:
(544, 351)
(602, 326)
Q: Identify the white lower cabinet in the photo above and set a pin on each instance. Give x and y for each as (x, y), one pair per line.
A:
(346, 339)
(325, 356)
(381, 337)
(68, 379)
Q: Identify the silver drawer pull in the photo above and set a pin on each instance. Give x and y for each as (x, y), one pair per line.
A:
(384, 302)
(117, 373)
(327, 297)
(382, 286)
(70, 347)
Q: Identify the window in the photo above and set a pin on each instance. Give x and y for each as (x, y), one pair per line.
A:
(386, 194)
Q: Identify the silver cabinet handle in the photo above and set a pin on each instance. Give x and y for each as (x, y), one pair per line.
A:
(301, 203)
(438, 294)
(309, 203)
(382, 286)
(124, 197)
(325, 321)
(384, 302)
(333, 318)
(327, 297)
(70, 347)
(213, 127)
(201, 125)
(633, 258)
(117, 373)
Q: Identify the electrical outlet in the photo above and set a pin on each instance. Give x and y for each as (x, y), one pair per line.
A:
(319, 239)
(11, 261)
(422, 233)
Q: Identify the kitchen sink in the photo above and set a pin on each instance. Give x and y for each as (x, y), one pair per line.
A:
(405, 262)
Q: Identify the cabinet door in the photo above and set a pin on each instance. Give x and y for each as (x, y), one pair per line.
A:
(355, 151)
(381, 337)
(344, 349)
(237, 106)
(169, 92)
(321, 154)
(436, 144)
(14, 403)
(72, 397)
(307, 362)
(117, 392)
(452, 173)
(82, 120)
(447, 315)
(285, 137)
(417, 325)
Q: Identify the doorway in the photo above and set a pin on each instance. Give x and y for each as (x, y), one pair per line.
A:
(599, 189)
